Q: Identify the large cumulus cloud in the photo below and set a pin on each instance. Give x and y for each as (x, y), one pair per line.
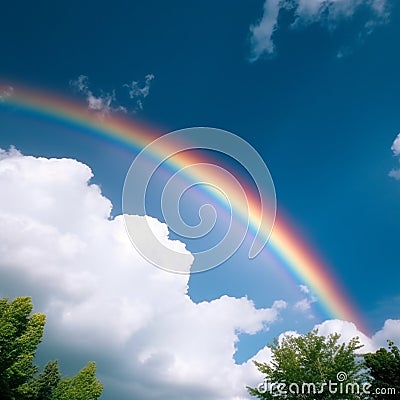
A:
(105, 302)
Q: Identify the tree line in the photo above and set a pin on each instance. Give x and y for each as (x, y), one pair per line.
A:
(302, 367)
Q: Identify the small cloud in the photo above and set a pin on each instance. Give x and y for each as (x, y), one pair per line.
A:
(82, 83)
(306, 12)
(106, 102)
(395, 173)
(304, 289)
(138, 92)
(103, 103)
(6, 92)
(303, 305)
(396, 146)
(261, 38)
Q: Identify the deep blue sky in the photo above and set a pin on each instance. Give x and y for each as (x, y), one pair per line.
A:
(323, 124)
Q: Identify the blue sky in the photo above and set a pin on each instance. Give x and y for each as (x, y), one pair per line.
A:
(312, 86)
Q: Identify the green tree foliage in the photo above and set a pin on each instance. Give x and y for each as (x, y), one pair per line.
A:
(41, 387)
(384, 368)
(20, 334)
(304, 365)
(83, 386)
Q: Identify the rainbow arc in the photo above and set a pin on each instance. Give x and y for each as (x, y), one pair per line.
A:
(284, 243)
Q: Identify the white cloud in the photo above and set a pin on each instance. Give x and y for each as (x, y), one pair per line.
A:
(303, 305)
(138, 92)
(326, 12)
(304, 289)
(390, 331)
(106, 102)
(332, 11)
(103, 103)
(262, 33)
(347, 331)
(396, 145)
(8, 153)
(104, 302)
(395, 173)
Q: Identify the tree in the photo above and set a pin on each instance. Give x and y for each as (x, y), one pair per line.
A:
(20, 334)
(384, 368)
(41, 387)
(83, 386)
(311, 367)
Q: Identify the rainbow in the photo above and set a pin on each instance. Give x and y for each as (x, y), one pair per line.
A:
(284, 243)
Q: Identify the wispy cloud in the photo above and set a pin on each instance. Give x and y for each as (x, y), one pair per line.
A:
(102, 103)
(304, 305)
(138, 92)
(106, 102)
(329, 13)
(304, 289)
(395, 173)
(396, 146)
(261, 33)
